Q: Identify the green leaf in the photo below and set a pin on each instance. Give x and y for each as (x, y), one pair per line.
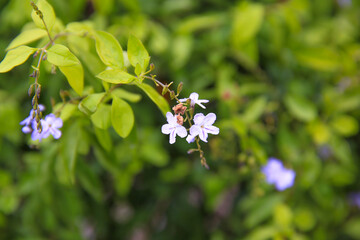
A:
(300, 108)
(102, 117)
(75, 76)
(320, 58)
(155, 97)
(48, 13)
(248, 18)
(109, 49)
(352, 228)
(129, 96)
(104, 138)
(27, 36)
(89, 104)
(68, 149)
(60, 55)
(254, 110)
(345, 125)
(116, 76)
(122, 117)
(15, 57)
(90, 180)
(137, 53)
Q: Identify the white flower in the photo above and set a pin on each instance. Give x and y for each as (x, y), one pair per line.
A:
(194, 97)
(203, 126)
(173, 128)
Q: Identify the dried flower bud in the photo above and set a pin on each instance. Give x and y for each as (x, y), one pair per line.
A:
(180, 120)
(179, 109)
(191, 150)
(38, 91)
(30, 89)
(204, 164)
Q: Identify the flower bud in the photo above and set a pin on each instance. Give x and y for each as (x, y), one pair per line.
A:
(179, 88)
(165, 89)
(172, 95)
(180, 120)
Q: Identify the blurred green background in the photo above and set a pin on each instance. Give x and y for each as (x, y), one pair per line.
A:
(283, 78)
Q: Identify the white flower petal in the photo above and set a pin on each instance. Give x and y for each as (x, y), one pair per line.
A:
(195, 130)
(203, 135)
(166, 128)
(194, 96)
(172, 137)
(212, 129)
(198, 118)
(181, 131)
(210, 119)
(190, 138)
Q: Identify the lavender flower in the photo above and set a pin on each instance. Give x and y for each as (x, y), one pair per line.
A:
(278, 175)
(203, 126)
(49, 126)
(27, 122)
(194, 97)
(355, 199)
(173, 128)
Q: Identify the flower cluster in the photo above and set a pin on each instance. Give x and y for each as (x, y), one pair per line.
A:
(202, 124)
(278, 175)
(42, 128)
(198, 129)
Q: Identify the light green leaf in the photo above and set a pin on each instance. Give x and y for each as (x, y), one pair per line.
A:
(60, 55)
(90, 180)
(89, 104)
(283, 215)
(102, 117)
(129, 96)
(248, 18)
(15, 57)
(352, 228)
(300, 108)
(68, 149)
(320, 58)
(75, 76)
(109, 49)
(80, 28)
(27, 36)
(345, 125)
(122, 117)
(48, 13)
(104, 138)
(116, 76)
(254, 110)
(155, 97)
(137, 53)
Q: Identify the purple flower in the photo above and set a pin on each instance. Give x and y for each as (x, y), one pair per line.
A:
(194, 97)
(53, 123)
(202, 126)
(28, 121)
(36, 135)
(173, 128)
(355, 199)
(278, 175)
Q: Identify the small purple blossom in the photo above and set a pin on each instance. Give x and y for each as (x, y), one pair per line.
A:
(278, 175)
(49, 126)
(194, 97)
(36, 134)
(355, 199)
(173, 128)
(28, 121)
(202, 126)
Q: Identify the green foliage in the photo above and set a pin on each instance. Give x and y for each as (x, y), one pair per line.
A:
(281, 76)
